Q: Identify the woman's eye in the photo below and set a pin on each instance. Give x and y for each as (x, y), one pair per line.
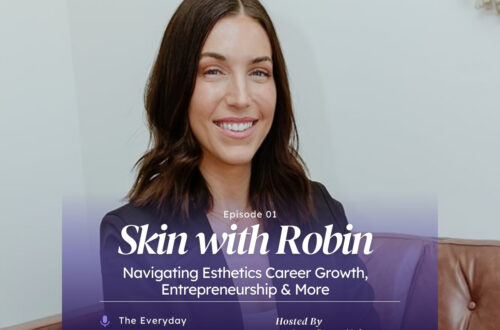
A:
(213, 72)
(260, 73)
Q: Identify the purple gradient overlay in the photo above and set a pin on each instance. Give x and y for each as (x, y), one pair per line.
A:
(401, 286)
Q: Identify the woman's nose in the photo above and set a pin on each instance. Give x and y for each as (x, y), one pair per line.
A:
(237, 94)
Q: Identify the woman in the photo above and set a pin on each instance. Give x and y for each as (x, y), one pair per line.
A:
(223, 140)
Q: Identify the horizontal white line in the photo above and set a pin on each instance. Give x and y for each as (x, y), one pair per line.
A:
(249, 301)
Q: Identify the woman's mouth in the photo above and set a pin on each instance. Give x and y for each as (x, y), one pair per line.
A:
(237, 128)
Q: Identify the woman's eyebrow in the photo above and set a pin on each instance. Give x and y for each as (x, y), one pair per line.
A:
(223, 58)
(214, 55)
(262, 59)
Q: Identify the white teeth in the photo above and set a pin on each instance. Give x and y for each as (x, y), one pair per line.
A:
(235, 127)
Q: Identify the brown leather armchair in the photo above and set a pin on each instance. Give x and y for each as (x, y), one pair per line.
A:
(467, 274)
(469, 284)
(46, 323)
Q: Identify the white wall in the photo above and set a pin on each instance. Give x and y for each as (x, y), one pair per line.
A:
(409, 91)
(40, 146)
(392, 98)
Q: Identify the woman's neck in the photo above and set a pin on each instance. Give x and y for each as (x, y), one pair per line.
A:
(228, 184)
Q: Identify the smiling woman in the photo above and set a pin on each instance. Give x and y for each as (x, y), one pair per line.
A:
(223, 141)
(232, 106)
(221, 119)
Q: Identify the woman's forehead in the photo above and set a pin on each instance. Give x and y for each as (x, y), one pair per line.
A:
(238, 37)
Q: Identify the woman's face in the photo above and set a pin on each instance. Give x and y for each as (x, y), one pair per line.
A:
(234, 99)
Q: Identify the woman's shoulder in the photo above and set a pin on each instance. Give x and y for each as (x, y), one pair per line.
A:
(131, 213)
(327, 209)
(128, 214)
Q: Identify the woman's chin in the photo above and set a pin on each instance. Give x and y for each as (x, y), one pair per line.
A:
(237, 159)
(238, 162)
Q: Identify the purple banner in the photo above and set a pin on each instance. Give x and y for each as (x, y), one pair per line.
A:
(130, 270)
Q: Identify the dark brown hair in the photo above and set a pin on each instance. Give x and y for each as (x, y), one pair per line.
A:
(168, 175)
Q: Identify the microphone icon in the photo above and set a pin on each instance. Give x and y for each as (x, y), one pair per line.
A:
(104, 322)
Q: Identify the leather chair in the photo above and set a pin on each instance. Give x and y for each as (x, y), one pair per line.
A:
(464, 273)
(469, 284)
(47, 323)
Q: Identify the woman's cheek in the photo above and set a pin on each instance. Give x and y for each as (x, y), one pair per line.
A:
(267, 99)
(211, 94)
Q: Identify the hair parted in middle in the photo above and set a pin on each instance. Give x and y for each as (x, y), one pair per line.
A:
(168, 175)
